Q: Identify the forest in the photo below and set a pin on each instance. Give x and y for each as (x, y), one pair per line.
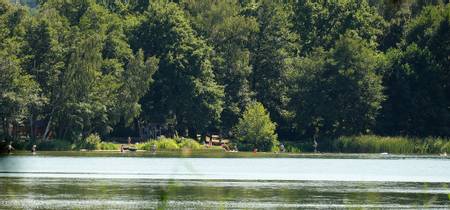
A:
(321, 69)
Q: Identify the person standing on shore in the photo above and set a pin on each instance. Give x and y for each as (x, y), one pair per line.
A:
(129, 140)
(33, 149)
(154, 148)
(282, 149)
(315, 145)
(10, 148)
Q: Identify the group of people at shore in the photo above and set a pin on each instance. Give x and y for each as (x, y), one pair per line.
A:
(10, 148)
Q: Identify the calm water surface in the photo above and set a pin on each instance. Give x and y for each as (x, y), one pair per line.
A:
(49, 182)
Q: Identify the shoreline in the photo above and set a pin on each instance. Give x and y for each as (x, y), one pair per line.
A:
(219, 154)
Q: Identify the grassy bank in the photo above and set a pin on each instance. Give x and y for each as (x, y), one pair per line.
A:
(345, 144)
(395, 145)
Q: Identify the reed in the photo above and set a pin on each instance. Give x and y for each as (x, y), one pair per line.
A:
(396, 145)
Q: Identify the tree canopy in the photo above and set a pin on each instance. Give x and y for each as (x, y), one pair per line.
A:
(318, 68)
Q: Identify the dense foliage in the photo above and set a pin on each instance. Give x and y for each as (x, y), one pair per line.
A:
(321, 69)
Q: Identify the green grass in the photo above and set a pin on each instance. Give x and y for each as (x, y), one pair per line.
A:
(345, 144)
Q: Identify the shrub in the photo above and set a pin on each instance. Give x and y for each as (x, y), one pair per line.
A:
(167, 144)
(296, 147)
(170, 144)
(20, 145)
(161, 144)
(190, 143)
(55, 145)
(90, 142)
(146, 145)
(107, 146)
(255, 129)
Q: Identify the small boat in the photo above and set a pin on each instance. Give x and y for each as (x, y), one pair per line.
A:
(132, 149)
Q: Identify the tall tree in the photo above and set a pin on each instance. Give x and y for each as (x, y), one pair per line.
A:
(320, 23)
(18, 92)
(417, 78)
(272, 49)
(229, 32)
(87, 68)
(338, 92)
(185, 89)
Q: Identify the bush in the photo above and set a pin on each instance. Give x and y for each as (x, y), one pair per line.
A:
(55, 145)
(20, 145)
(167, 144)
(146, 145)
(170, 144)
(107, 146)
(90, 142)
(161, 144)
(296, 147)
(255, 129)
(190, 143)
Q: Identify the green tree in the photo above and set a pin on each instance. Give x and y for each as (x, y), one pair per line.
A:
(338, 92)
(18, 92)
(255, 129)
(417, 78)
(320, 23)
(229, 32)
(184, 89)
(136, 82)
(93, 81)
(272, 49)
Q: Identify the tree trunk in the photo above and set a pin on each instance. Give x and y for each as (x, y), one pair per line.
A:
(139, 129)
(5, 131)
(47, 128)
(32, 137)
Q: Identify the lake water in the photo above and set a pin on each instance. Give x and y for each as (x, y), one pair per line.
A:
(61, 182)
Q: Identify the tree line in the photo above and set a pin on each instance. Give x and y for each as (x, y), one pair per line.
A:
(321, 68)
